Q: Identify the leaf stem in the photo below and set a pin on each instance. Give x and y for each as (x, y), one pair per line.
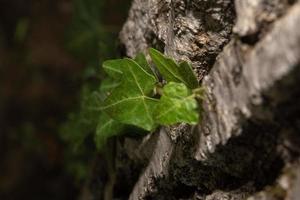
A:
(158, 89)
(199, 93)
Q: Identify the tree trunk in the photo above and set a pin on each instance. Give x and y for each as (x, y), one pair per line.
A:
(246, 54)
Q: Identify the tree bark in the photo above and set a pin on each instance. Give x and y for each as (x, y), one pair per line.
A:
(246, 54)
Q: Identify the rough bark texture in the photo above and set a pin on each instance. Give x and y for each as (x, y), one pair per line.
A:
(246, 54)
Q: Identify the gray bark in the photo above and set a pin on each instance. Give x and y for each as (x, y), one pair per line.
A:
(246, 54)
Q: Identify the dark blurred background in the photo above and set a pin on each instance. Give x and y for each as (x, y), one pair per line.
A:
(49, 49)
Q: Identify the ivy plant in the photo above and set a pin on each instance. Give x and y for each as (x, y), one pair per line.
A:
(137, 94)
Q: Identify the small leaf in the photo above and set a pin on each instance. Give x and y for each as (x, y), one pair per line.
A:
(187, 72)
(130, 103)
(171, 71)
(142, 61)
(177, 104)
(106, 128)
(166, 66)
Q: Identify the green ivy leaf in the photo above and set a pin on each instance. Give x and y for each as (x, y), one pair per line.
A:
(171, 71)
(186, 71)
(142, 61)
(107, 85)
(106, 128)
(166, 66)
(113, 68)
(130, 103)
(177, 104)
(114, 72)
